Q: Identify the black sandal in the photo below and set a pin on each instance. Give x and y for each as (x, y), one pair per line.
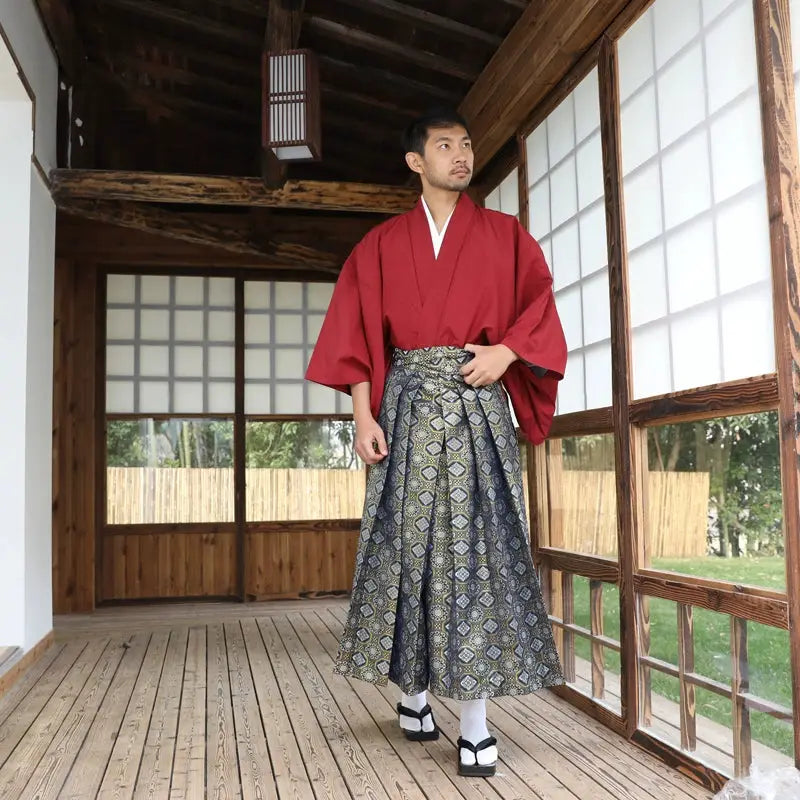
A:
(476, 769)
(420, 735)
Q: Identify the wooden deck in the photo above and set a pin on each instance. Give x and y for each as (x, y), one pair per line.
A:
(231, 701)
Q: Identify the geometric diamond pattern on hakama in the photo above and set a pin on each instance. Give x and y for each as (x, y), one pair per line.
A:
(445, 595)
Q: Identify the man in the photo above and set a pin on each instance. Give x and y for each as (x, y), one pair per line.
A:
(433, 309)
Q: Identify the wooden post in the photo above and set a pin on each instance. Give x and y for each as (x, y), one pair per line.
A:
(627, 488)
(686, 665)
(740, 686)
(598, 654)
(568, 604)
(773, 46)
(239, 449)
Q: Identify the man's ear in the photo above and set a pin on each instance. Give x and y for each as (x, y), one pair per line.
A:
(414, 161)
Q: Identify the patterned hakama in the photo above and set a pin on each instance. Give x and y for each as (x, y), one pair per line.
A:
(445, 596)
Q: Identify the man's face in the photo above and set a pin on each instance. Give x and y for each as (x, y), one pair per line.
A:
(447, 163)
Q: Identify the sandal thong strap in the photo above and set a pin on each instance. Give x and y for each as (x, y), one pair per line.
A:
(409, 712)
(482, 745)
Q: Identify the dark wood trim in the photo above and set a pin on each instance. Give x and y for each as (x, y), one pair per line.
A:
(747, 396)
(156, 187)
(99, 432)
(292, 526)
(239, 443)
(624, 452)
(168, 528)
(591, 708)
(687, 687)
(582, 423)
(248, 417)
(690, 766)
(782, 166)
(627, 17)
(717, 596)
(592, 567)
(522, 182)
(740, 684)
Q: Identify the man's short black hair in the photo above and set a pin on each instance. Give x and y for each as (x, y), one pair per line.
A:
(416, 134)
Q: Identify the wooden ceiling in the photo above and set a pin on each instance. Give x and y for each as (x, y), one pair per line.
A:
(175, 85)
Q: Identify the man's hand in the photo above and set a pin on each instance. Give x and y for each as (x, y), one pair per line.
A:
(370, 441)
(489, 364)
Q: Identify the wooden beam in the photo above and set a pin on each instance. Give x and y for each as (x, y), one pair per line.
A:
(513, 82)
(336, 93)
(427, 20)
(229, 191)
(194, 22)
(189, 229)
(59, 21)
(353, 37)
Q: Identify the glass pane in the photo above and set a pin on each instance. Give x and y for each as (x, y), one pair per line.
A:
(164, 471)
(583, 503)
(714, 729)
(303, 470)
(689, 109)
(713, 500)
(662, 642)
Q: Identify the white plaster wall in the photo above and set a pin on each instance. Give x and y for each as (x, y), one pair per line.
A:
(15, 186)
(23, 28)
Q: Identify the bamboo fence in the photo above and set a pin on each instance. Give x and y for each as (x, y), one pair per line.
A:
(585, 503)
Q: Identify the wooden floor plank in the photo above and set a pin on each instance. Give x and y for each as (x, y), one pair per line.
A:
(60, 750)
(13, 696)
(154, 776)
(323, 772)
(86, 773)
(222, 764)
(397, 778)
(188, 769)
(28, 733)
(290, 773)
(122, 764)
(255, 769)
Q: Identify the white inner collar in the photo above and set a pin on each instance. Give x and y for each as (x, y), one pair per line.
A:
(436, 236)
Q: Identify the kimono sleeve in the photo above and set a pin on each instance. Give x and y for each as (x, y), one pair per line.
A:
(537, 337)
(341, 355)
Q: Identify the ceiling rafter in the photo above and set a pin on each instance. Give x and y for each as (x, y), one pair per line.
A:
(368, 101)
(354, 37)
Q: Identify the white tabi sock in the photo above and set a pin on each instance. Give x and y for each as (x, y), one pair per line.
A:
(473, 728)
(416, 702)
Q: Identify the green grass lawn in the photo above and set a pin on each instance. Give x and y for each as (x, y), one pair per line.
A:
(768, 648)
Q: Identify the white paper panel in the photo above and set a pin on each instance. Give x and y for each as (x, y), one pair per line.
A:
(289, 398)
(598, 376)
(188, 326)
(313, 327)
(492, 200)
(647, 284)
(566, 256)
(568, 304)
(651, 360)
(596, 314)
(691, 276)
(121, 289)
(748, 349)
(288, 296)
(563, 194)
(571, 388)
(257, 398)
(695, 349)
(154, 361)
(587, 106)
(120, 323)
(289, 363)
(509, 194)
(221, 292)
(713, 8)
(256, 328)
(590, 171)
(256, 364)
(189, 291)
(681, 96)
(153, 397)
(154, 290)
(221, 362)
(257, 295)
(119, 360)
(221, 326)
(743, 242)
(189, 397)
(636, 58)
(321, 399)
(119, 397)
(189, 362)
(221, 398)
(677, 22)
(639, 115)
(539, 209)
(319, 296)
(536, 152)
(289, 329)
(643, 207)
(561, 131)
(686, 179)
(594, 245)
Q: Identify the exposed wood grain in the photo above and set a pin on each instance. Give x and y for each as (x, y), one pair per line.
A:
(568, 615)
(628, 490)
(189, 229)
(598, 653)
(188, 768)
(12, 670)
(582, 423)
(740, 684)
(782, 162)
(686, 665)
(645, 681)
(593, 567)
(231, 191)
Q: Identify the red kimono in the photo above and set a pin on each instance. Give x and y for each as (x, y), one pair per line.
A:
(489, 285)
